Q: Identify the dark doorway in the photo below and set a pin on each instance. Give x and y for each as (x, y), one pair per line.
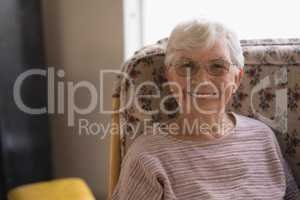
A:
(24, 138)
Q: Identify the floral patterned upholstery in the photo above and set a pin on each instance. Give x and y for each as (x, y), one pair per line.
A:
(271, 82)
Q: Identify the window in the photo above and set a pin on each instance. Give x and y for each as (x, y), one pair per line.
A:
(151, 20)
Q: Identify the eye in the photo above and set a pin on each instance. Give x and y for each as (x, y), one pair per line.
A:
(184, 67)
(218, 66)
(187, 65)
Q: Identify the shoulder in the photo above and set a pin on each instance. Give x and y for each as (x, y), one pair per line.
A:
(258, 129)
(144, 149)
(246, 122)
(254, 126)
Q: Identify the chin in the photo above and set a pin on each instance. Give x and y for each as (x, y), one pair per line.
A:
(203, 107)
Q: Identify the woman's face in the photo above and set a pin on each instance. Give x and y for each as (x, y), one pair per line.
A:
(202, 91)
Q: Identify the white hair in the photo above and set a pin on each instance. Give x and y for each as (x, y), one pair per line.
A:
(201, 34)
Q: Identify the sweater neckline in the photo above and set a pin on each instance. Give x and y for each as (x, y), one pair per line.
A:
(212, 141)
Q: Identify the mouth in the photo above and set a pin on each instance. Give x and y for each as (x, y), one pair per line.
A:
(202, 94)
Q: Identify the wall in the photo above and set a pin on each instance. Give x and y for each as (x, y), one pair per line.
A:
(82, 37)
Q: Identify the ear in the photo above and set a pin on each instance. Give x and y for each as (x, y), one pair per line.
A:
(238, 78)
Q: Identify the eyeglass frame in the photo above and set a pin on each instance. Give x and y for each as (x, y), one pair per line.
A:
(198, 64)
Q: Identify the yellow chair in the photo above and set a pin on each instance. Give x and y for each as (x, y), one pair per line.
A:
(60, 189)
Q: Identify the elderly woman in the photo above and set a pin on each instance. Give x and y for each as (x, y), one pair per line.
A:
(231, 156)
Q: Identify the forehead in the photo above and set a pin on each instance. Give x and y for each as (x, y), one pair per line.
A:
(218, 51)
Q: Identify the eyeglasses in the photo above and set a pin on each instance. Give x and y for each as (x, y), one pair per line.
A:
(217, 67)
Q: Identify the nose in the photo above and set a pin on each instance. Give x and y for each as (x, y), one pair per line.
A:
(200, 76)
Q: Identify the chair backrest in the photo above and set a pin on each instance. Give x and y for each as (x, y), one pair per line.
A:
(270, 92)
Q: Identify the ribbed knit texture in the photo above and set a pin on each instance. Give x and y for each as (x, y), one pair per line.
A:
(247, 164)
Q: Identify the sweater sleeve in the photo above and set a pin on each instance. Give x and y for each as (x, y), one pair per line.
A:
(292, 191)
(136, 182)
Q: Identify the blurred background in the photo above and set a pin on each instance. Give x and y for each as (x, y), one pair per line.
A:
(77, 39)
